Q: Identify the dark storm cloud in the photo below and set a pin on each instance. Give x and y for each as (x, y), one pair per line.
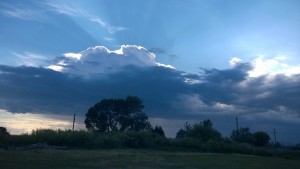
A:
(28, 89)
(221, 85)
(236, 74)
(262, 102)
(37, 90)
(165, 92)
(272, 93)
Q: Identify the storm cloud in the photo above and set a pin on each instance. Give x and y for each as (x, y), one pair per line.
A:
(167, 93)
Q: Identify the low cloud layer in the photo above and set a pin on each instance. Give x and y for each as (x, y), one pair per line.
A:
(265, 101)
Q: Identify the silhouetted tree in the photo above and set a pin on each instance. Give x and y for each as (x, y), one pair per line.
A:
(261, 138)
(207, 124)
(117, 115)
(243, 135)
(181, 133)
(3, 131)
(159, 130)
(203, 131)
(4, 134)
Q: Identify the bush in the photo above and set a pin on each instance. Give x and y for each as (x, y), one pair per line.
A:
(86, 139)
(133, 139)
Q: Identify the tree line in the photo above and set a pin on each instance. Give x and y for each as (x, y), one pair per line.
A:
(127, 115)
(122, 123)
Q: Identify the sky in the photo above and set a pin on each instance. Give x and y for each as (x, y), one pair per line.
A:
(188, 60)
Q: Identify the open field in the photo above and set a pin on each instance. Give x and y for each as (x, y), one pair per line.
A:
(84, 159)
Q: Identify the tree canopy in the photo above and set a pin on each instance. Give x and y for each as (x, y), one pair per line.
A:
(3, 131)
(158, 130)
(244, 135)
(3, 135)
(203, 131)
(117, 115)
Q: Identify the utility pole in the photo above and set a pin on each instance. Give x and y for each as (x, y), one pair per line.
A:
(237, 124)
(274, 131)
(73, 122)
(237, 128)
(186, 126)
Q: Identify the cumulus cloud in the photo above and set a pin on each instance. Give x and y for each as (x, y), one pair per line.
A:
(234, 61)
(272, 66)
(167, 93)
(99, 60)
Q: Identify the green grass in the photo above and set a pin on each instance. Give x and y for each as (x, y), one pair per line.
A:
(136, 159)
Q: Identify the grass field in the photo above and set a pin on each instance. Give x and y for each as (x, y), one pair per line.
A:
(135, 159)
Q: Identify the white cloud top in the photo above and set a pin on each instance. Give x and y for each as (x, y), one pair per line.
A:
(262, 66)
(233, 61)
(73, 55)
(273, 66)
(100, 60)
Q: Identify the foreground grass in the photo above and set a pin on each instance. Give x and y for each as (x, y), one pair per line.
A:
(143, 159)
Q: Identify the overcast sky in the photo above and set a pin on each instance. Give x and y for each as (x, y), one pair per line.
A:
(188, 60)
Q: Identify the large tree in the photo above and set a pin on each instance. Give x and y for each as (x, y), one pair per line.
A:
(117, 115)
